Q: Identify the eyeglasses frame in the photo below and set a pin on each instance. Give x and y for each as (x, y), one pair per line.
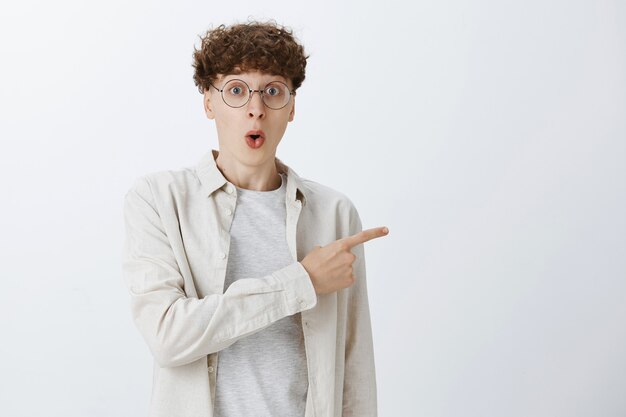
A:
(251, 92)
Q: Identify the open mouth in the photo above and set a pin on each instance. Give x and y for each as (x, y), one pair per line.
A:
(255, 134)
(255, 138)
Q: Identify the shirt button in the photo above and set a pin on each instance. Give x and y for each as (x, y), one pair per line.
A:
(229, 189)
(229, 212)
(211, 369)
(222, 255)
(302, 302)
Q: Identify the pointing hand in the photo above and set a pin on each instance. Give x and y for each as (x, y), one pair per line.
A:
(330, 266)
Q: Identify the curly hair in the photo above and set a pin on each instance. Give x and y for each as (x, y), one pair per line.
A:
(261, 46)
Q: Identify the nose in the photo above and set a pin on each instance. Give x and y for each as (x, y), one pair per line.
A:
(256, 108)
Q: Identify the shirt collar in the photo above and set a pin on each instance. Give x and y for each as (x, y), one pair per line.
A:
(212, 178)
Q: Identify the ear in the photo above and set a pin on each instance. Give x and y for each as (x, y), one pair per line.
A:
(208, 105)
(293, 109)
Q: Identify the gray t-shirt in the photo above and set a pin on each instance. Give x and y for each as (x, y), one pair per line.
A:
(265, 373)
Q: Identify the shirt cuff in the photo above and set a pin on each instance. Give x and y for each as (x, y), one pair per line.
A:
(299, 293)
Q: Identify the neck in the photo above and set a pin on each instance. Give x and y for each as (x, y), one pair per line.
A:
(262, 177)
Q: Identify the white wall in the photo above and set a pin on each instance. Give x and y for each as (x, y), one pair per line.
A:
(489, 136)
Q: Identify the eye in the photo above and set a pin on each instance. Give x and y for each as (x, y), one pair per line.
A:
(236, 90)
(274, 89)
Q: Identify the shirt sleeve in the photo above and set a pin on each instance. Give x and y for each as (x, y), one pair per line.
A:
(359, 387)
(180, 329)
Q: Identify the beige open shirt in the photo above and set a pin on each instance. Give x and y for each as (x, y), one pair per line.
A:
(174, 263)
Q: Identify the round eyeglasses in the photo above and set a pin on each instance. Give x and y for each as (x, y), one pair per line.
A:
(237, 93)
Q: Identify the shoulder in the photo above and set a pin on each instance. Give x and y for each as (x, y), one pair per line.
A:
(177, 181)
(164, 187)
(318, 193)
(329, 201)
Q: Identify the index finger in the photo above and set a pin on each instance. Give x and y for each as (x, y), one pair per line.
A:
(365, 235)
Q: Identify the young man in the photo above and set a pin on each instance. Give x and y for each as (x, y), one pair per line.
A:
(248, 282)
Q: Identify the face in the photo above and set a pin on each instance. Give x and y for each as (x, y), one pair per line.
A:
(233, 124)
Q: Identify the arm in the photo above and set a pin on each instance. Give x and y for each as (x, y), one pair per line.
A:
(178, 329)
(359, 387)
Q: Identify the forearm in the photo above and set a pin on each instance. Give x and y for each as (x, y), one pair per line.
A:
(179, 330)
